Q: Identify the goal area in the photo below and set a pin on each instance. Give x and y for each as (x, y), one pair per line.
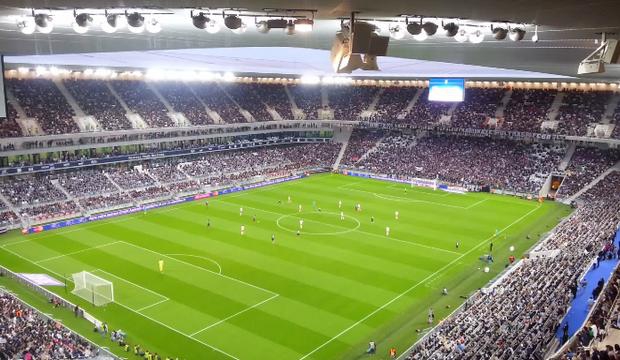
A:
(92, 288)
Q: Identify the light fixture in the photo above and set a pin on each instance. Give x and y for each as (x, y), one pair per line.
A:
(421, 36)
(396, 31)
(213, 26)
(112, 23)
(200, 21)
(535, 36)
(26, 25)
(430, 28)
(476, 37)
(241, 29)
(414, 28)
(516, 34)
(82, 22)
(304, 25)
(262, 27)
(152, 25)
(136, 22)
(44, 23)
(290, 28)
(233, 22)
(500, 33)
(461, 36)
(451, 29)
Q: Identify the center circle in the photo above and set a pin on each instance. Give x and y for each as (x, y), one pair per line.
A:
(314, 222)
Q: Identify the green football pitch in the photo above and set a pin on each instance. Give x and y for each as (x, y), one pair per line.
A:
(320, 294)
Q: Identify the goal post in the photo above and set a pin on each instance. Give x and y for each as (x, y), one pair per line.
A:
(92, 288)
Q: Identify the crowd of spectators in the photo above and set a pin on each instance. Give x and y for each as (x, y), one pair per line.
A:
(26, 334)
(130, 178)
(95, 99)
(183, 100)
(143, 101)
(518, 316)
(393, 102)
(479, 105)
(586, 165)
(41, 99)
(276, 98)
(29, 190)
(527, 109)
(38, 199)
(360, 142)
(219, 101)
(104, 201)
(348, 102)
(85, 183)
(247, 96)
(48, 212)
(425, 112)
(9, 126)
(308, 99)
(7, 217)
(503, 164)
(579, 109)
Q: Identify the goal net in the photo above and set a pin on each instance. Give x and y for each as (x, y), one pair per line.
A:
(92, 288)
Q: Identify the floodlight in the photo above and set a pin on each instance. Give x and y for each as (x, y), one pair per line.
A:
(233, 22)
(516, 34)
(26, 25)
(500, 33)
(152, 25)
(82, 23)
(414, 28)
(397, 32)
(430, 28)
(136, 22)
(44, 23)
(451, 29)
(304, 25)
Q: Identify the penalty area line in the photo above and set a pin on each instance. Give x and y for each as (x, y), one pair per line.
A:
(233, 315)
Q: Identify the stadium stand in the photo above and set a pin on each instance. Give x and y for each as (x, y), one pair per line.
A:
(474, 162)
(247, 95)
(348, 102)
(527, 109)
(393, 102)
(581, 108)
(141, 100)
(94, 97)
(41, 99)
(585, 166)
(9, 126)
(183, 100)
(29, 335)
(479, 105)
(425, 112)
(219, 101)
(308, 99)
(274, 96)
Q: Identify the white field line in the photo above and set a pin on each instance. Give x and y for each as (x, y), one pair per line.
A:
(76, 252)
(133, 310)
(134, 284)
(200, 257)
(402, 199)
(355, 230)
(402, 186)
(233, 315)
(152, 305)
(203, 269)
(415, 286)
(476, 203)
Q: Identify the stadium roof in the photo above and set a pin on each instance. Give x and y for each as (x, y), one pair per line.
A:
(280, 60)
(568, 30)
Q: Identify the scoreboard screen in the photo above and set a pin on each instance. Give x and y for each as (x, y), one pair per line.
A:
(446, 90)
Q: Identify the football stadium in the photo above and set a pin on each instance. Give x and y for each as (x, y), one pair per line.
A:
(309, 180)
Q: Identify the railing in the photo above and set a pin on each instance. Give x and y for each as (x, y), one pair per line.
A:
(57, 300)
